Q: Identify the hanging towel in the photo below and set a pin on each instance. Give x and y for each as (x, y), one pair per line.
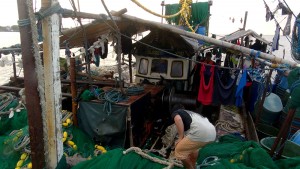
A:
(206, 88)
(224, 93)
(287, 29)
(276, 37)
(239, 91)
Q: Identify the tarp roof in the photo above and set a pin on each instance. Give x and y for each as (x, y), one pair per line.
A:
(166, 39)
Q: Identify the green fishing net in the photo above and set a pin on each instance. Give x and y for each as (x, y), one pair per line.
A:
(115, 159)
(15, 140)
(231, 152)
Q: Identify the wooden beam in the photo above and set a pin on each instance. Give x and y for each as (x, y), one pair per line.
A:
(33, 106)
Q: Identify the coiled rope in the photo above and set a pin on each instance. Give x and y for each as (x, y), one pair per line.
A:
(230, 127)
(169, 164)
(134, 90)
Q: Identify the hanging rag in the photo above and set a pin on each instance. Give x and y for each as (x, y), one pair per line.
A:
(239, 91)
(224, 93)
(287, 29)
(276, 37)
(206, 88)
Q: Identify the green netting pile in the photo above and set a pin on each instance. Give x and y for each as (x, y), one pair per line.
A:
(294, 82)
(235, 154)
(15, 141)
(115, 159)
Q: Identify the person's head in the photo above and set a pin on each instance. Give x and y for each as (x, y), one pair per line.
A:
(218, 62)
(176, 107)
(208, 56)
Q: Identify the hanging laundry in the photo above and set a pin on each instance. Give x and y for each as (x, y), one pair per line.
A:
(206, 88)
(224, 93)
(287, 29)
(276, 37)
(239, 91)
(97, 56)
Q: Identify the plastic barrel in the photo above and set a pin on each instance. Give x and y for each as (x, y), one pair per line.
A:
(272, 108)
(290, 149)
(265, 130)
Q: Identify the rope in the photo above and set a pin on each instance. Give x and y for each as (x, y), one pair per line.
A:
(134, 90)
(209, 161)
(230, 127)
(56, 8)
(156, 14)
(5, 100)
(169, 164)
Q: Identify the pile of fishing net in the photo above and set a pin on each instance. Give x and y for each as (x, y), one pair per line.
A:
(126, 159)
(231, 152)
(15, 140)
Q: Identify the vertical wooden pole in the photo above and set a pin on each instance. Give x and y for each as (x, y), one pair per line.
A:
(283, 133)
(14, 65)
(130, 66)
(73, 89)
(52, 121)
(33, 106)
(260, 107)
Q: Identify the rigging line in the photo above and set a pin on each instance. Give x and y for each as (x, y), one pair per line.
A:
(277, 22)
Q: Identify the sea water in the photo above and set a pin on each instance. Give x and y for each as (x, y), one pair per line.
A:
(8, 39)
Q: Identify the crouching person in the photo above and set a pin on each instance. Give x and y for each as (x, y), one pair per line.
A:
(194, 132)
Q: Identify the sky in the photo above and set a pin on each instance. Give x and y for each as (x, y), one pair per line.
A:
(221, 11)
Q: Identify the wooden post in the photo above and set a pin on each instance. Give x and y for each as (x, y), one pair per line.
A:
(14, 65)
(35, 121)
(283, 133)
(130, 66)
(261, 103)
(73, 89)
(52, 121)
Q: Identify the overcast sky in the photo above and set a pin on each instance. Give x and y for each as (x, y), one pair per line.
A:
(221, 11)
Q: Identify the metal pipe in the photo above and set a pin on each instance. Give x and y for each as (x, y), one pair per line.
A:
(213, 41)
